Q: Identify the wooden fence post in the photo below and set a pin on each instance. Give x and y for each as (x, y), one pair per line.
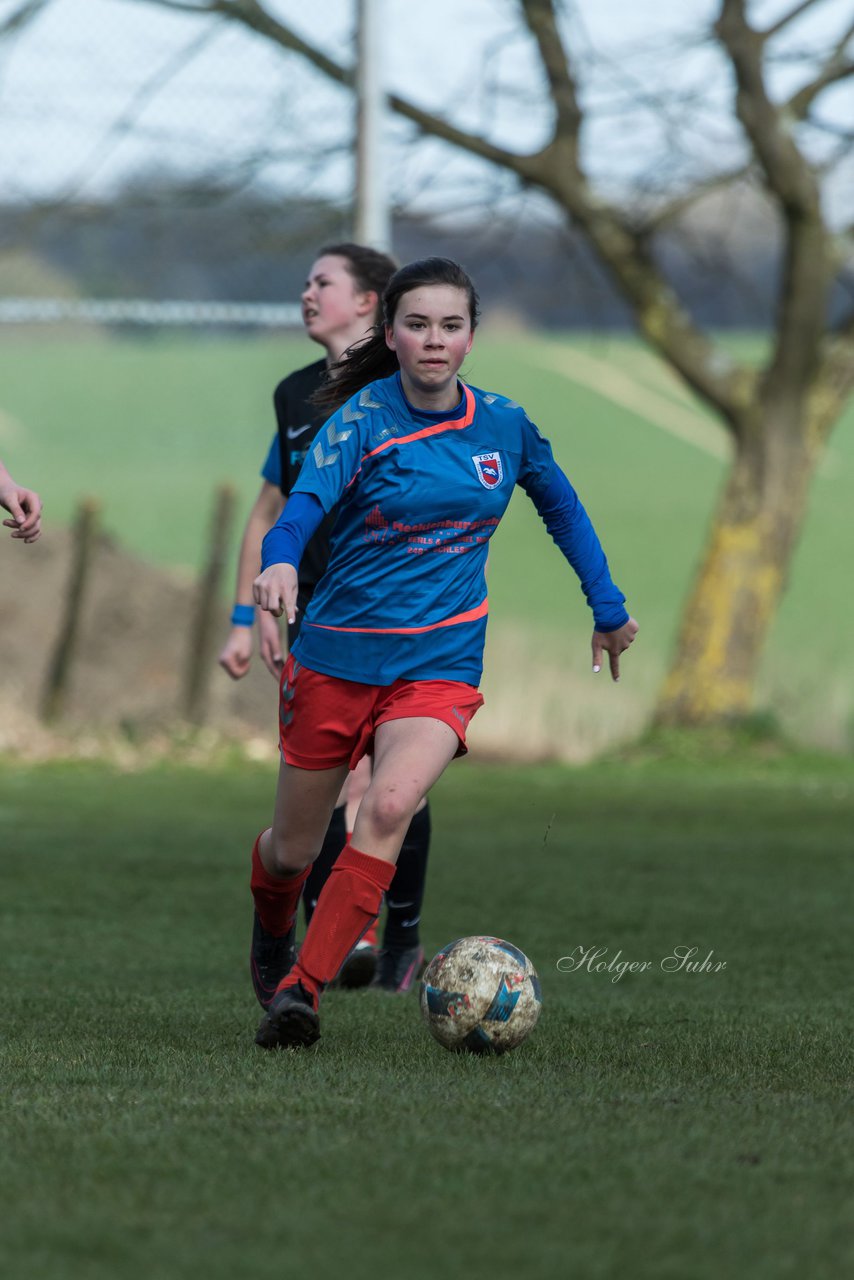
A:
(84, 538)
(200, 655)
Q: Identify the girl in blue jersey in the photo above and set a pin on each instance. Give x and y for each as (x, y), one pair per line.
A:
(341, 302)
(390, 650)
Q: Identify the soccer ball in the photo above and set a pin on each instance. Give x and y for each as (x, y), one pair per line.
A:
(480, 995)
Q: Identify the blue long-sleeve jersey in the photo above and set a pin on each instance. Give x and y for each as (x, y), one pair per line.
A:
(419, 496)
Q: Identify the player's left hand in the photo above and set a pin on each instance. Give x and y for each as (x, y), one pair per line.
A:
(613, 643)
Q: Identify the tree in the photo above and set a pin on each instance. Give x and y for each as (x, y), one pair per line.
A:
(780, 415)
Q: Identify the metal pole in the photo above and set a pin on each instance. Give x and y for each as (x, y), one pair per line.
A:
(372, 216)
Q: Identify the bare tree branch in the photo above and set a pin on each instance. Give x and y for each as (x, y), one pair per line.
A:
(22, 16)
(778, 26)
(126, 121)
(788, 174)
(253, 15)
(832, 129)
(557, 169)
(800, 102)
(792, 182)
(680, 204)
(836, 67)
(439, 127)
(542, 23)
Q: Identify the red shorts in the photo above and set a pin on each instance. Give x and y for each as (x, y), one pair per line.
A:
(325, 721)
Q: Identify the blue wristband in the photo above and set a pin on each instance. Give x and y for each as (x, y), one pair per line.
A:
(243, 615)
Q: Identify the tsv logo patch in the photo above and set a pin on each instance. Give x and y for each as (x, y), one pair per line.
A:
(489, 470)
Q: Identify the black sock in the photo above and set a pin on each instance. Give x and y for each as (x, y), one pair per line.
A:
(333, 843)
(406, 894)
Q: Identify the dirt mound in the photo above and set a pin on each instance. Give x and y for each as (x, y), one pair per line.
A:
(129, 672)
(127, 688)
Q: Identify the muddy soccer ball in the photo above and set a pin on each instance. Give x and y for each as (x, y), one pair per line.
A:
(480, 995)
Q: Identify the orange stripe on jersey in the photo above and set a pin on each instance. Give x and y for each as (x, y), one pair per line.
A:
(471, 616)
(456, 424)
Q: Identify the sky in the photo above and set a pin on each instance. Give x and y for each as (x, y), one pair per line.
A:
(97, 90)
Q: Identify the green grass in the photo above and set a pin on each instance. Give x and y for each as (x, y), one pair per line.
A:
(667, 1124)
(151, 427)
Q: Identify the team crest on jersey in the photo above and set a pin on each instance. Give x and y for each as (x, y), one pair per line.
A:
(489, 470)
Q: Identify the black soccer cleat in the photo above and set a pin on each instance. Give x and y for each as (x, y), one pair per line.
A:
(291, 1022)
(359, 967)
(270, 959)
(398, 971)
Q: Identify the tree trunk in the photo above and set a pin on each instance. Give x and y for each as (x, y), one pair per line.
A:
(741, 579)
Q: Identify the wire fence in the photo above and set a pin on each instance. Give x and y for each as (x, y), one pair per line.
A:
(146, 313)
(159, 168)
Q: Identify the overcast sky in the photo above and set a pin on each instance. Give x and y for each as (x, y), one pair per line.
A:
(79, 111)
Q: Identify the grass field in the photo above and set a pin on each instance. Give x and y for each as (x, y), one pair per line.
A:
(684, 1125)
(152, 426)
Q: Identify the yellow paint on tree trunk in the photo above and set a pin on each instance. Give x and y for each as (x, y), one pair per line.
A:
(732, 606)
(735, 598)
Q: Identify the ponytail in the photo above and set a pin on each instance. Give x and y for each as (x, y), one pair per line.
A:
(366, 361)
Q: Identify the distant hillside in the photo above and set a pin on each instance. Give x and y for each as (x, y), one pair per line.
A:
(199, 244)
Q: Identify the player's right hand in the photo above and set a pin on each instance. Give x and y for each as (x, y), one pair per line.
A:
(276, 590)
(25, 508)
(237, 652)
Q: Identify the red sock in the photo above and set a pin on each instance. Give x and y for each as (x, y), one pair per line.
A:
(347, 906)
(370, 934)
(276, 899)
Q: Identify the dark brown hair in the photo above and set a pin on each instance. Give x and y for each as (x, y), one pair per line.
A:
(370, 358)
(370, 269)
